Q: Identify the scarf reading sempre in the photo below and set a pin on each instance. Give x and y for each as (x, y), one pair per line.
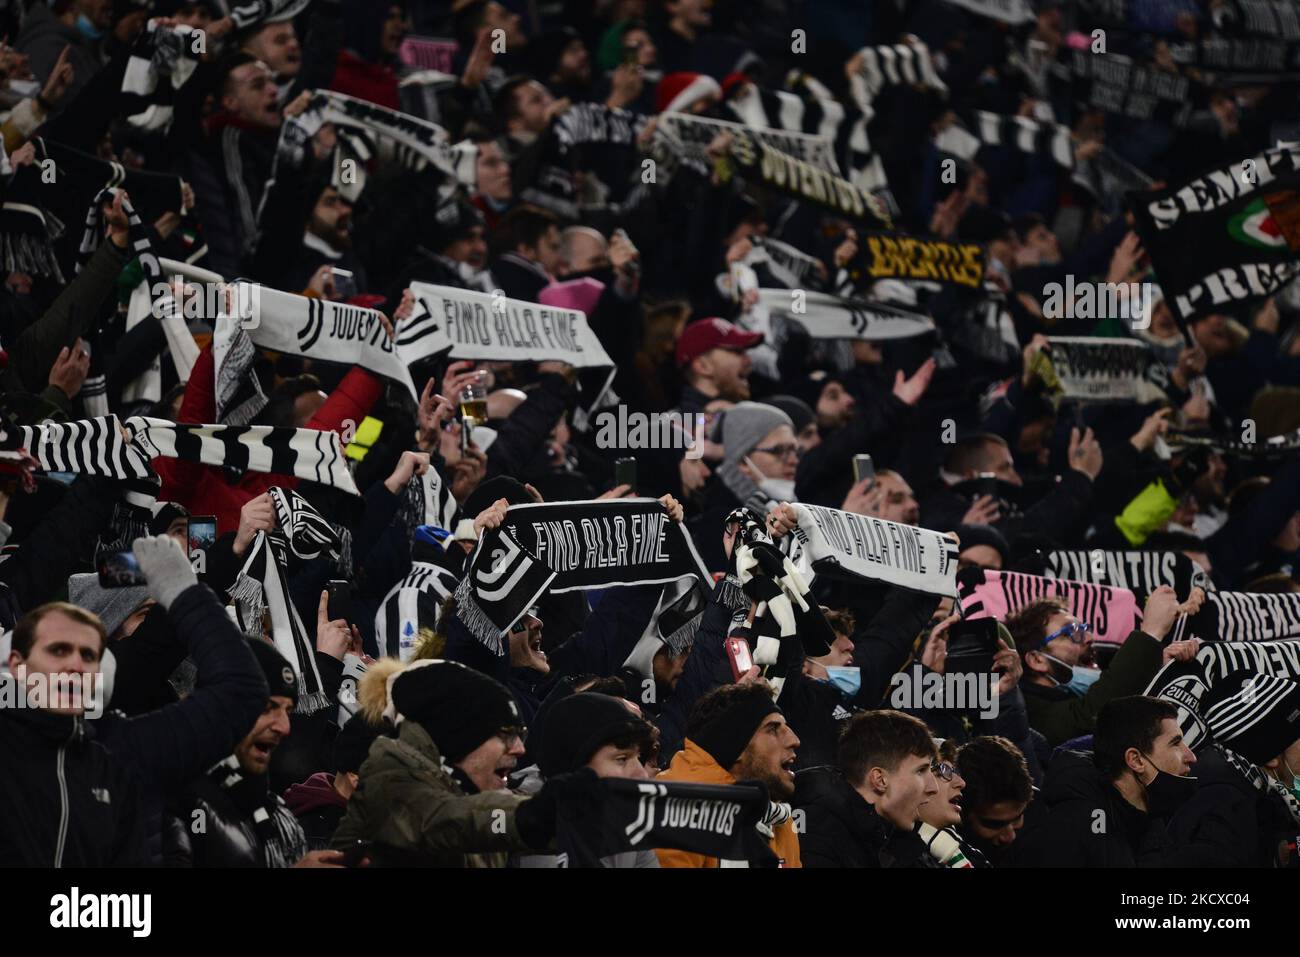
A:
(263, 586)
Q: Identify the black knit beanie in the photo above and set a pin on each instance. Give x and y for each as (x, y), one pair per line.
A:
(459, 707)
(580, 725)
(727, 735)
(352, 745)
(280, 679)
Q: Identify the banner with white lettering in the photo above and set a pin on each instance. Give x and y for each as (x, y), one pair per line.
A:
(716, 820)
(479, 325)
(1111, 611)
(827, 316)
(1242, 616)
(1140, 572)
(1228, 236)
(1118, 84)
(689, 136)
(836, 542)
(557, 547)
(1096, 369)
(1185, 683)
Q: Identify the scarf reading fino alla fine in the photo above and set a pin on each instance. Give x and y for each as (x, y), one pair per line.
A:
(569, 546)
(263, 586)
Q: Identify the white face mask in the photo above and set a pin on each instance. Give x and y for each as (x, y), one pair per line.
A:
(777, 489)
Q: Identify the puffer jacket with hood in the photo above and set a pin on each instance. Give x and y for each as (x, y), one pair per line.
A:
(694, 765)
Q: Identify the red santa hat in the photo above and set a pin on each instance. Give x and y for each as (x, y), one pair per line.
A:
(677, 91)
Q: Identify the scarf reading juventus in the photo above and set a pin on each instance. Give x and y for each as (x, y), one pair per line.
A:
(162, 61)
(808, 107)
(263, 586)
(794, 177)
(861, 546)
(1140, 572)
(1112, 612)
(715, 820)
(1242, 616)
(1185, 683)
(827, 316)
(569, 546)
(317, 329)
(898, 256)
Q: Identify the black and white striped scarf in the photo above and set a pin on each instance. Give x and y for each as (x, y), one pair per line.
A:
(252, 12)
(263, 586)
(426, 500)
(162, 61)
(1035, 137)
(809, 107)
(94, 390)
(280, 836)
(1261, 782)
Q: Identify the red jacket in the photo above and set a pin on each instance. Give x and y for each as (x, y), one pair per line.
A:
(372, 82)
(203, 489)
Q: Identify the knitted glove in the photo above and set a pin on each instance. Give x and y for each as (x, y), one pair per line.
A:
(166, 568)
(573, 794)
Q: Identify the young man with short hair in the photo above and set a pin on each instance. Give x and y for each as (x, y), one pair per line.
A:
(862, 812)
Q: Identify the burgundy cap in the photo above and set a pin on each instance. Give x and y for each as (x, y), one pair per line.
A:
(700, 337)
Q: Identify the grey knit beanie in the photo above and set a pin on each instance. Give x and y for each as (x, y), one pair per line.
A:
(112, 605)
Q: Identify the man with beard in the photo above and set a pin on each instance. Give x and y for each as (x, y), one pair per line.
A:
(244, 824)
(327, 241)
(737, 733)
(1063, 688)
(712, 356)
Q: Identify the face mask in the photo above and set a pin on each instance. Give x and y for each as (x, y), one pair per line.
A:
(1168, 792)
(777, 489)
(1081, 679)
(847, 680)
(1295, 778)
(88, 29)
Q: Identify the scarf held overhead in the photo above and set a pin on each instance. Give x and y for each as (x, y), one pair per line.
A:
(827, 316)
(1112, 612)
(877, 550)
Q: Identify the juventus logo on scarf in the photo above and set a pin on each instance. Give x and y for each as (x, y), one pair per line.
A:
(263, 586)
(1185, 683)
(878, 550)
(827, 316)
(714, 820)
(570, 546)
(162, 61)
(1112, 612)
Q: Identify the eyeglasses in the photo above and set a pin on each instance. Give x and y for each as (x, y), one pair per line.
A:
(782, 451)
(944, 771)
(1076, 631)
(513, 736)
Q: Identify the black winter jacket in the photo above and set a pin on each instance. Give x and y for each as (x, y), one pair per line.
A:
(65, 801)
(842, 830)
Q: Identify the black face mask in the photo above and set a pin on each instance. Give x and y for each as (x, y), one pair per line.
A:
(1168, 792)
